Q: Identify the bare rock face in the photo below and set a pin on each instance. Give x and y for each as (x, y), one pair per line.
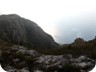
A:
(18, 30)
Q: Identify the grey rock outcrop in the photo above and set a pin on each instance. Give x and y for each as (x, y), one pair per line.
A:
(20, 59)
(18, 30)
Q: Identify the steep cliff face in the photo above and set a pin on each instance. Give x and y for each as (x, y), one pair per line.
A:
(18, 30)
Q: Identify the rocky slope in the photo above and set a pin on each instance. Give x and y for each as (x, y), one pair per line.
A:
(17, 58)
(18, 30)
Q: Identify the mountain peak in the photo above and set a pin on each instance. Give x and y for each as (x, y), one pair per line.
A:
(18, 30)
(79, 40)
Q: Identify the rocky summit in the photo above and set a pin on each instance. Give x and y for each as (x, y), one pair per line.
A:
(18, 30)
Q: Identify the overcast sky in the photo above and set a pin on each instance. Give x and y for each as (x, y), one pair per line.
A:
(65, 20)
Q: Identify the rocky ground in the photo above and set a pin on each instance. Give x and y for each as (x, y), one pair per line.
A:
(17, 58)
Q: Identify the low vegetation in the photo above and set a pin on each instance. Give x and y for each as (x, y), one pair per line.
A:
(77, 48)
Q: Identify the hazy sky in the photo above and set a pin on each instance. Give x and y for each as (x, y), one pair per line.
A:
(63, 19)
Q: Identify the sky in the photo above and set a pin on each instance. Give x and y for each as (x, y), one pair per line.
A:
(65, 20)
